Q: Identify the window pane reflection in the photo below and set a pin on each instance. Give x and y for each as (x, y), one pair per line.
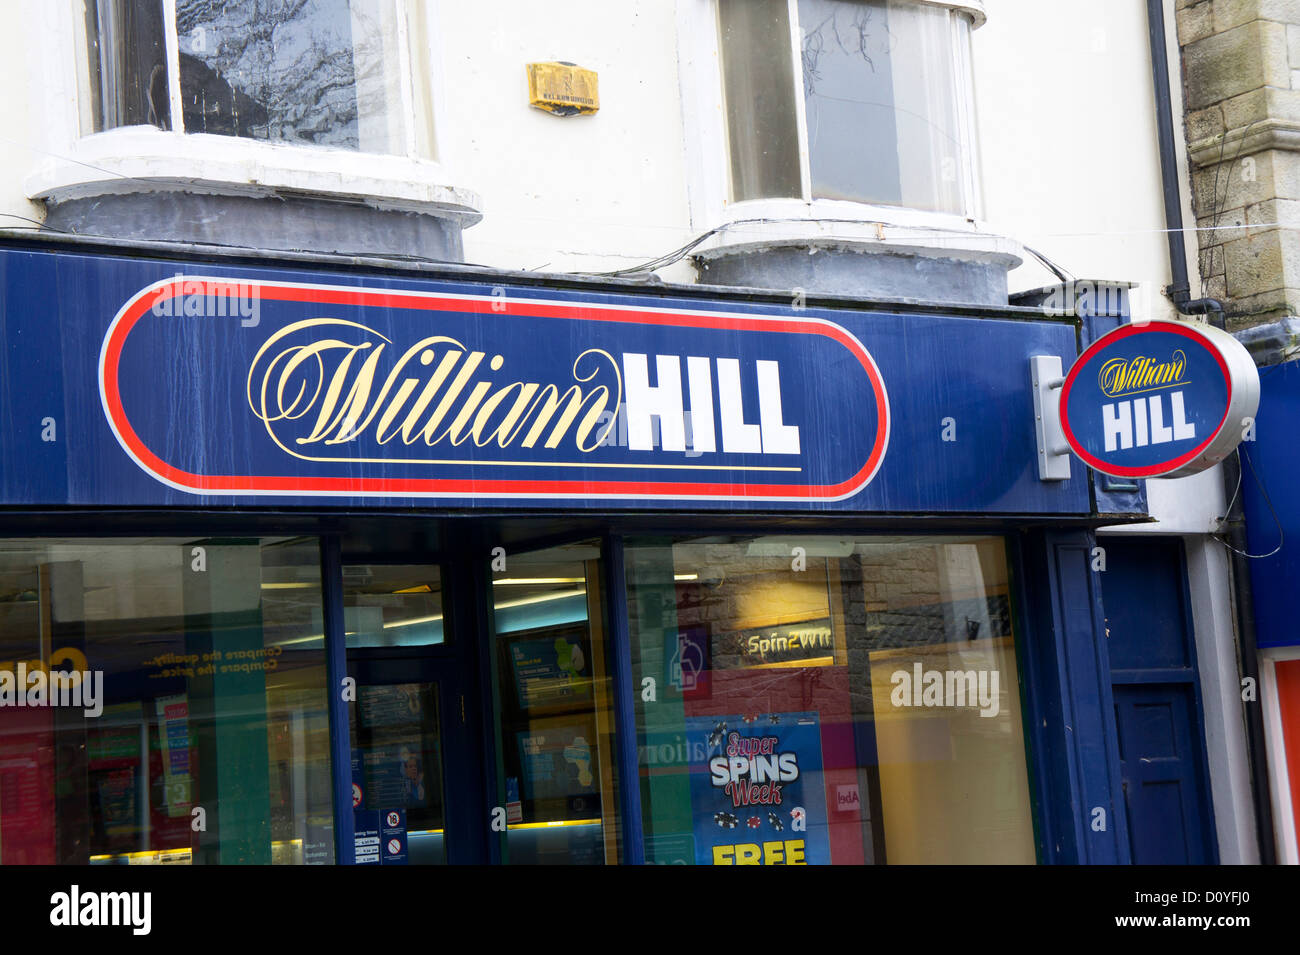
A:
(761, 125)
(127, 64)
(555, 717)
(392, 605)
(880, 98)
(211, 742)
(828, 701)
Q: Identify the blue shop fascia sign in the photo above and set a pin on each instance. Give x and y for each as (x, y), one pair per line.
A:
(131, 381)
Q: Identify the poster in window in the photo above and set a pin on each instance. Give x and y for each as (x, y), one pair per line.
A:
(389, 760)
(556, 760)
(552, 670)
(116, 792)
(758, 796)
(174, 741)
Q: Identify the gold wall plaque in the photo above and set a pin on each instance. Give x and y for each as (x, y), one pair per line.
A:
(562, 88)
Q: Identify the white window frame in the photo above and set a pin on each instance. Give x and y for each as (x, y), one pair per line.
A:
(1285, 836)
(805, 218)
(75, 162)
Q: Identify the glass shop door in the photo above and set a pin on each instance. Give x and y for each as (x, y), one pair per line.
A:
(417, 748)
(553, 706)
(482, 729)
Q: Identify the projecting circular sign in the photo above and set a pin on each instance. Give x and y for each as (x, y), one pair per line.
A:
(1160, 399)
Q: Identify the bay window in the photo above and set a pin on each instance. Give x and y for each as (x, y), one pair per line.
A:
(306, 72)
(866, 101)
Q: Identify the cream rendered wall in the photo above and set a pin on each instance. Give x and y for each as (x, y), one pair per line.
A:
(579, 193)
(20, 44)
(1067, 123)
(1063, 100)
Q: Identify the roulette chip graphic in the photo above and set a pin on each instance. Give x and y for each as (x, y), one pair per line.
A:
(718, 735)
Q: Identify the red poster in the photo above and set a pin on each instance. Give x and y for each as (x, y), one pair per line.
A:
(26, 786)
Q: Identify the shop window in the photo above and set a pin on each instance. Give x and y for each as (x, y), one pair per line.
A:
(396, 723)
(195, 729)
(554, 709)
(320, 72)
(875, 109)
(392, 605)
(823, 700)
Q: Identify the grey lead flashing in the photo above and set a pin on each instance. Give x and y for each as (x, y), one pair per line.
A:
(404, 267)
(1273, 343)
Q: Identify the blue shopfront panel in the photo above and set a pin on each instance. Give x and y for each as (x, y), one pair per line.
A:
(137, 382)
(1269, 466)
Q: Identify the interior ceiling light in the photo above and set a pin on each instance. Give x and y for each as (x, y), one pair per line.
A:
(504, 605)
(512, 581)
(523, 601)
(413, 621)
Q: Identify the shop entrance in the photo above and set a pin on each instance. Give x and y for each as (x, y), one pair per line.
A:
(482, 726)
(416, 740)
(552, 727)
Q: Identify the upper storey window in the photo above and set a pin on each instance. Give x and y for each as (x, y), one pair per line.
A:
(876, 111)
(307, 72)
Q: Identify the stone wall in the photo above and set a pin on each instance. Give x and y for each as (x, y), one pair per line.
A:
(1241, 59)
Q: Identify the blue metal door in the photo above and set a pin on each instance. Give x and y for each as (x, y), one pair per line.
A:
(1157, 702)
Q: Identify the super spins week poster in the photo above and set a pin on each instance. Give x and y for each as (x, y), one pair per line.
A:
(758, 798)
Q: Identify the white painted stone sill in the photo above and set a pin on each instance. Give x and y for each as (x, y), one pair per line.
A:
(144, 159)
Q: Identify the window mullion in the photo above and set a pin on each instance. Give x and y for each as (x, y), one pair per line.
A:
(407, 75)
(800, 111)
(967, 132)
(172, 40)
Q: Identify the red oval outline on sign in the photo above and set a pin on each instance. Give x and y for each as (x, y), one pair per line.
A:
(1127, 331)
(146, 298)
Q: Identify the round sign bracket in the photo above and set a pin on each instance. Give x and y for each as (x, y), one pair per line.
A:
(1053, 452)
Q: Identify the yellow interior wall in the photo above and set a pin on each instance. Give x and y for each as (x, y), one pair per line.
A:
(954, 787)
